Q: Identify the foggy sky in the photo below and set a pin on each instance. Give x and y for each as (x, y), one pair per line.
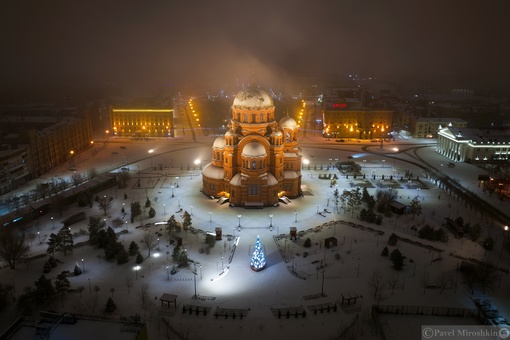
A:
(93, 42)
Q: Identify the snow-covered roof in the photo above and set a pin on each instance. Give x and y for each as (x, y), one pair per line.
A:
(289, 155)
(271, 180)
(219, 143)
(236, 180)
(254, 149)
(212, 171)
(287, 123)
(253, 97)
(290, 174)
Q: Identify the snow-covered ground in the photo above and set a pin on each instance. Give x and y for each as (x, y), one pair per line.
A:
(223, 277)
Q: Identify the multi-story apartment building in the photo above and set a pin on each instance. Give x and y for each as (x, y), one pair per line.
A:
(36, 139)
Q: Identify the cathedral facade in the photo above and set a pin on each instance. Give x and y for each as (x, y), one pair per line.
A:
(257, 161)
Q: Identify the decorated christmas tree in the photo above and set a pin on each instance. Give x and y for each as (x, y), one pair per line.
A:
(258, 259)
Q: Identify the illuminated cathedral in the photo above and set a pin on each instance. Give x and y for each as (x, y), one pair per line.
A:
(257, 161)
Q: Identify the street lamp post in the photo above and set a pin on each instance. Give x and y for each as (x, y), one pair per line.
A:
(39, 234)
(395, 157)
(317, 209)
(83, 264)
(210, 216)
(172, 187)
(191, 214)
(167, 273)
(52, 223)
(239, 225)
(505, 232)
(222, 263)
(178, 202)
(164, 209)
(195, 280)
(271, 221)
(136, 269)
(177, 181)
(295, 216)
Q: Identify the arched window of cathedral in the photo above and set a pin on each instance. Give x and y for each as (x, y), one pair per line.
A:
(254, 165)
(245, 119)
(287, 136)
(254, 118)
(261, 117)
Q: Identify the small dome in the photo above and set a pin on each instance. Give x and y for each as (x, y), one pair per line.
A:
(230, 132)
(253, 97)
(287, 123)
(277, 133)
(219, 143)
(254, 149)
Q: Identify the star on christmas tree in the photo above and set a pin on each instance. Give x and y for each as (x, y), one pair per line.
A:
(258, 259)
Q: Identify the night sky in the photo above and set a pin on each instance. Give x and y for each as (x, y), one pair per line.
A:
(94, 42)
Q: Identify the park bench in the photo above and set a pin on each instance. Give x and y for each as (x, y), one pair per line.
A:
(288, 312)
(329, 306)
(195, 309)
(241, 313)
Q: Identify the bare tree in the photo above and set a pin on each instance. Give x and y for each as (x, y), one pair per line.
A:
(377, 284)
(76, 179)
(13, 246)
(104, 204)
(123, 177)
(129, 284)
(149, 241)
(392, 281)
(144, 297)
(92, 173)
(486, 275)
(443, 280)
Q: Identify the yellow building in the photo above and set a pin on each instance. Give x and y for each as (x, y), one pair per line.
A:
(257, 161)
(142, 122)
(363, 124)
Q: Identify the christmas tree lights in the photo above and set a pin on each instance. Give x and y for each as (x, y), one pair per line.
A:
(258, 259)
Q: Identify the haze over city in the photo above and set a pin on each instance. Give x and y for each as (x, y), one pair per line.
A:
(212, 44)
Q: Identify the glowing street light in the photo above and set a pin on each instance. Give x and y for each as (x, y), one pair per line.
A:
(395, 156)
(136, 269)
(271, 221)
(83, 264)
(177, 181)
(197, 162)
(505, 233)
(52, 223)
(39, 234)
(239, 216)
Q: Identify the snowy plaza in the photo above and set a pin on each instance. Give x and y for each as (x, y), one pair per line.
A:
(329, 282)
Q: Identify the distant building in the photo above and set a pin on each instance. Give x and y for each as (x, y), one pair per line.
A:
(428, 127)
(257, 161)
(142, 122)
(345, 115)
(479, 146)
(36, 139)
(14, 169)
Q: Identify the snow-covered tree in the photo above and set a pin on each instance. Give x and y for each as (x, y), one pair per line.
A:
(258, 259)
